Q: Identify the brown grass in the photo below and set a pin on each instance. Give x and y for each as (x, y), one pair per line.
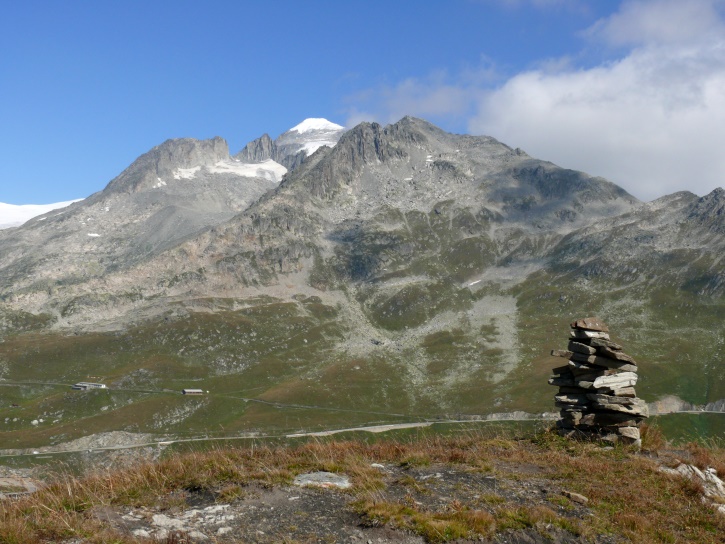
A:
(457, 523)
(704, 457)
(628, 495)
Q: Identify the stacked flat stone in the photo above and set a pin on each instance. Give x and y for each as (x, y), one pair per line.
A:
(596, 394)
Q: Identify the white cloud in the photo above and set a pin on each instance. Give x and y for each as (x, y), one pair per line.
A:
(652, 121)
(436, 96)
(660, 21)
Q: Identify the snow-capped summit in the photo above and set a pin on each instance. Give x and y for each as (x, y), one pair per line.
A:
(310, 135)
(293, 146)
(316, 123)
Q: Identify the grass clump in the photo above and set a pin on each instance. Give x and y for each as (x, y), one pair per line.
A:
(457, 523)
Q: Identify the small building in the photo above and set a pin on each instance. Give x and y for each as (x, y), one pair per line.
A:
(84, 386)
(192, 392)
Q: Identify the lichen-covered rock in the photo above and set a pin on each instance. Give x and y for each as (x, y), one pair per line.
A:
(323, 479)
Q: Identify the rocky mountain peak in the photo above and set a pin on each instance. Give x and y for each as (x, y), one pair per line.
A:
(370, 142)
(709, 210)
(365, 144)
(164, 161)
(714, 201)
(261, 149)
(409, 123)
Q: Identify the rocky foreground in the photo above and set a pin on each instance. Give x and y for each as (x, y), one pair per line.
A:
(473, 487)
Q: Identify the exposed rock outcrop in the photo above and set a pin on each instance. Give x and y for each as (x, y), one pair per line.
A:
(164, 161)
(258, 150)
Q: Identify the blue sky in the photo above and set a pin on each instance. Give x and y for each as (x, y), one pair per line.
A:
(632, 90)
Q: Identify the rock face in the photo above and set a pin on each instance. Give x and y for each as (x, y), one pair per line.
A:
(261, 149)
(171, 160)
(710, 211)
(596, 391)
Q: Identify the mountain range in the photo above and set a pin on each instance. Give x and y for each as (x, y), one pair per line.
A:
(334, 277)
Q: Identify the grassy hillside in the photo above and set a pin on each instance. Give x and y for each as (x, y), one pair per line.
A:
(277, 365)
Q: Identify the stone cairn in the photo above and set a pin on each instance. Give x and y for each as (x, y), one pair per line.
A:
(596, 387)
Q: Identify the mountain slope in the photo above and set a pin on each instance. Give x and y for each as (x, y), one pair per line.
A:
(174, 191)
(405, 269)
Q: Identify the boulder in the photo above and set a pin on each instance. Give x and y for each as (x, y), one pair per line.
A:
(561, 353)
(575, 399)
(604, 343)
(590, 324)
(586, 335)
(609, 419)
(322, 479)
(615, 354)
(636, 408)
(629, 432)
(622, 379)
(605, 362)
(579, 347)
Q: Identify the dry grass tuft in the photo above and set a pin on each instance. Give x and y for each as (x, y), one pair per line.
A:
(653, 439)
(456, 523)
(708, 456)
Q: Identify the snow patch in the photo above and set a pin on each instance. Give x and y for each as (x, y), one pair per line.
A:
(93, 234)
(311, 147)
(12, 215)
(161, 183)
(315, 123)
(269, 169)
(184, 173)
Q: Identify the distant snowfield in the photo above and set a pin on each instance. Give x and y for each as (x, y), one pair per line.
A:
(183, 173)
(268, 169)
(12, 215)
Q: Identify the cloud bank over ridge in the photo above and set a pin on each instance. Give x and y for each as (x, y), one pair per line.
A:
(651, 118)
